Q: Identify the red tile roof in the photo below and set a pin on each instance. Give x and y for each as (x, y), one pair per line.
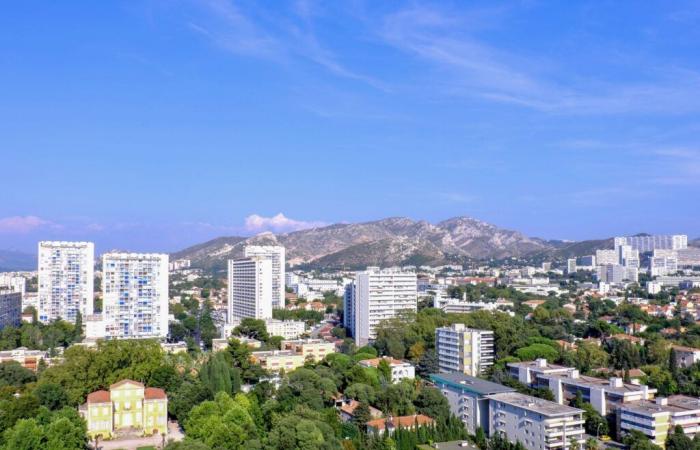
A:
(401, 422)
(154, 393)
(99, 397)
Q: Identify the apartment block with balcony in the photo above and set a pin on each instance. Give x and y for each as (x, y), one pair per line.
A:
(606, 395)
(468, 398)
(316, 349)
(276, 360)
(276, 255)
(135, 295)
(538, 424)
(464, 350)
(66, 280)
(381, 295)
(659, 418)
(250, 288)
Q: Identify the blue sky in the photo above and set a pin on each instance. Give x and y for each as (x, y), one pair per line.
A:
(157, 124)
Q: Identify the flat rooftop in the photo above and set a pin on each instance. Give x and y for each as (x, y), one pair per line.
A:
(599, 383)
(469, 383)
(538, 405)
(676, 404)
(537, 366)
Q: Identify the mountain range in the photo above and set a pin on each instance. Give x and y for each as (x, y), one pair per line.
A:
(392, 241)
(11, 260)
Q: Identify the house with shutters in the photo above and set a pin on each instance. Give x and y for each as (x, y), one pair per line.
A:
(127, 408)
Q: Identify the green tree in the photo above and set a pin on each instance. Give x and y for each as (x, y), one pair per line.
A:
(678, 440)
(25, 435)
(432, 403)
(51, 395)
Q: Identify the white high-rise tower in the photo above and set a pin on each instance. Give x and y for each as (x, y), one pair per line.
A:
(135, 295)
(380, 295)
(66, 277)
(276, 255)
(249, 288)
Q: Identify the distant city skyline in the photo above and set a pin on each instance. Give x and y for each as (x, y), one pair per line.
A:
(151, 126)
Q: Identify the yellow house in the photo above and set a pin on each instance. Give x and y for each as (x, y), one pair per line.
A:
(276, 360)
(316, 349)
(128, 407)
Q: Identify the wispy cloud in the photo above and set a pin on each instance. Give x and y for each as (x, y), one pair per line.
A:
(25, 224)
(278, 223)
(280, 39)
(477, 69)
(677, 167)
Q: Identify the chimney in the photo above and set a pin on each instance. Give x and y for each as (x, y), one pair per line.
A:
(616, 382)
(574, 373)
(541, 362)
(662, 401)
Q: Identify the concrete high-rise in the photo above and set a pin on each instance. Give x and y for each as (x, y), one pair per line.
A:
(276, 255)
(349, 308)
(381, 295)
(250, 288)
(66, 277)
(135, 295)
(464, 350)
(648, 243)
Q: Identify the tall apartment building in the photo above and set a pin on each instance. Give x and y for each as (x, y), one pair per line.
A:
(66, 277)
(349, 308)
(464, 350)
(250, 288)
(647, 243)
(538, 424)
(604, 257)
(135, 295)
(10, 308)
(12, 282)
(571, 265)
(628, 256)
(616, 273)
(276, 255)
(381, 295)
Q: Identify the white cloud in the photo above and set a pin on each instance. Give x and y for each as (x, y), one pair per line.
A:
(279, 223)
(24, 224)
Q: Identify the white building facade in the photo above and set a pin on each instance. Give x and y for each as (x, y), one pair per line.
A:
(249, 288)
(135, 295)
(380, 295)
(66, 277)
(276, 255)
(464, 350)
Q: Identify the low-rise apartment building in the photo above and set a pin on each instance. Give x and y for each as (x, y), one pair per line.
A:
(468, 398)
(276, 360)
(538, 424)
(316, 349)
(288, 329)
(400, 370)
(659, 418)
(565, 382)
(29, 359)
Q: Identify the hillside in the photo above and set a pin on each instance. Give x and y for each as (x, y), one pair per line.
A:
(12, 260)
(392, 241)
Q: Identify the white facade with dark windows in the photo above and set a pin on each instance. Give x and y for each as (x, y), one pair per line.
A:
(380, 295)
(135, 295)
(464, 350)
(249, 288)
(66, 277)
(276, 255)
